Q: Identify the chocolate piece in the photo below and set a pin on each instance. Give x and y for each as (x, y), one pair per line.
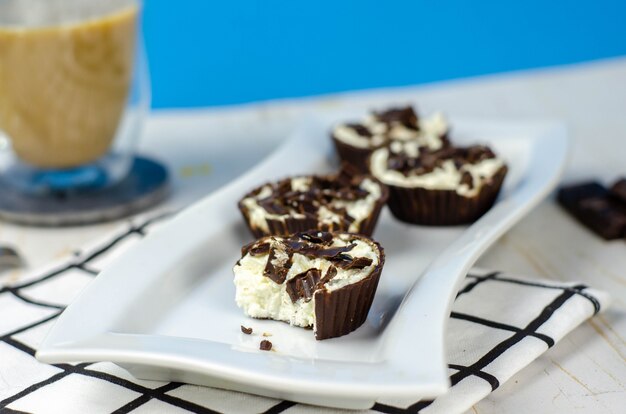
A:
(591, 204)
(260, 249)
(322, 237)
(273, 206)
(405, 116)
(330, 273)
(303, 285)
(347, 262)
(265, 345)
(329, 252)
(278, 264)
(246, 248)
(618, 191)
(467, 179)
(360, 129)
(245, 330)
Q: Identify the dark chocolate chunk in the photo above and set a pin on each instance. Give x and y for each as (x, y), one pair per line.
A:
(405, 116)
(575, 193)
(260, 249)
(303, 285)
(277, 268)
(283, 186)
(353, 262)
(330, 273)
(591, 204)
(273, 206)
(467, 179)
(265, 345)
(255, 249)
(246, 248)
(478, 153)
(317, 237)
(245, 330)
(328, 252)
(360, 129)
(618, 191)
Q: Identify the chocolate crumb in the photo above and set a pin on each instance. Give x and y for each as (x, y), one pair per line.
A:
(265, 345)
(245, 330)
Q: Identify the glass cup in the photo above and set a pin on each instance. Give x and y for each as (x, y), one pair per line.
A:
(74, 91)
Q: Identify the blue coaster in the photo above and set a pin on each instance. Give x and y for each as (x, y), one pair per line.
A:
(146, 184)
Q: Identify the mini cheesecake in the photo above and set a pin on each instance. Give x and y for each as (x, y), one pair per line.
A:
(453, 185)
(345, 201)
(320, 280)
(355, 142)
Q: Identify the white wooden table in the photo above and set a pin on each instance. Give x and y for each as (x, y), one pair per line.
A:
(586, 372)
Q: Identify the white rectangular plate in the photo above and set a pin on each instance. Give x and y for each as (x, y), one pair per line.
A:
(165, 310)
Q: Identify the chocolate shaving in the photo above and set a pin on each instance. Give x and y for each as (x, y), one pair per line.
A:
(273, 206)
(284, 186)
(265, 345)
(277, 268)
(246, 248)
(330, 273)
(329, 252)
(245, 330)
(303, 285)
(260, 249)
(347, 262)
(467, 179)
(360, 130)
(405, 116)
(306, 283)
(318, 237)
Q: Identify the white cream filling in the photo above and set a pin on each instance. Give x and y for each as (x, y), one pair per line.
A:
(359, 209)
(445, 177)
(261, 297)
(349, 136)
(430, 131)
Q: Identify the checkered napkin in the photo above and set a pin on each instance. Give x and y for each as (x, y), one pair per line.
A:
(499, 324)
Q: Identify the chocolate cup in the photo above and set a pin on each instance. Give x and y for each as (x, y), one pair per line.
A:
(291, 225)
(418, 205)
(355, 156)
(342, 311)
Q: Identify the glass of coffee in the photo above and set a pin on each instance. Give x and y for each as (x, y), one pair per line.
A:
(74, 91)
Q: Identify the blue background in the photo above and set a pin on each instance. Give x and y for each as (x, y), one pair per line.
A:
(206, 52)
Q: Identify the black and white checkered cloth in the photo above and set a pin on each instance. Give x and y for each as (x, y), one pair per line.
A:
(499, 324)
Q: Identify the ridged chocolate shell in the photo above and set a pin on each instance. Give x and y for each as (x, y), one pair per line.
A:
(341, 311)
(355, 156)
(418, 205)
